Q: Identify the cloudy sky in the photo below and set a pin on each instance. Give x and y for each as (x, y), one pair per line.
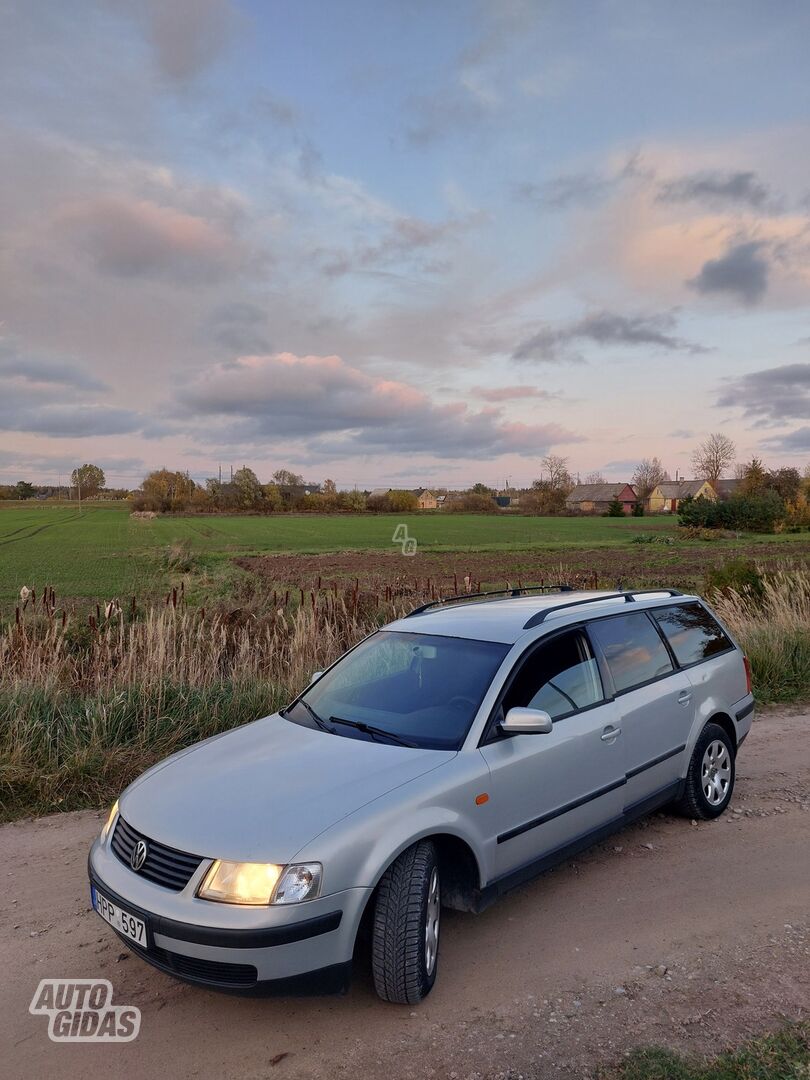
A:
(401, 242)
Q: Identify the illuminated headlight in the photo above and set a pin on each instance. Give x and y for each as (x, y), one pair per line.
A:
(110, 819)
(260, 883)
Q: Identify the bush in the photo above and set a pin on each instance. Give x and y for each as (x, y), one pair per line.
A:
(742, 513)
(473, 503)
(741, 575)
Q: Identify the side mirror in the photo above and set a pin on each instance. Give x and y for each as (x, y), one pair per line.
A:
(520, 721)
(315, 676)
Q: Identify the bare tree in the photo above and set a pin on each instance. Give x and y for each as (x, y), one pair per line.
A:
(648, 474)
(594, 477)
(559, 478)
(714, 455)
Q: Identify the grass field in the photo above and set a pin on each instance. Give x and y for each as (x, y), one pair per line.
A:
(103, 552)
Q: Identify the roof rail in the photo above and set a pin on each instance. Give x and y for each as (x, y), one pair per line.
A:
(627, 595)
(519, 590)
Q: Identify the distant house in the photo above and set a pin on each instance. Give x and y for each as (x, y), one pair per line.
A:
(726, 488)
(378, 493)
(666, 497)
(291, 493)
(596, 498)
(426, 499)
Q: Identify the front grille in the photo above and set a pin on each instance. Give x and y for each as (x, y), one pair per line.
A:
(213, 972)
(164, 865)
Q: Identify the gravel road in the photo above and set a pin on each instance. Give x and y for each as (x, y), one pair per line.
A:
(691, 935)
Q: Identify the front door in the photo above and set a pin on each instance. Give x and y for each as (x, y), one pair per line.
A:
(548, 790)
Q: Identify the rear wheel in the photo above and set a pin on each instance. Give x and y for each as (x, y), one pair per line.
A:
(405, 932)
(710, 779)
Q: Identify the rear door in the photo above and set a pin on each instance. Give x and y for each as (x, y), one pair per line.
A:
(655, 702)
(548, 790)
(705, 651)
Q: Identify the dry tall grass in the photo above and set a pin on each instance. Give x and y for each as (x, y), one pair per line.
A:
(87, 704)
(774, 630)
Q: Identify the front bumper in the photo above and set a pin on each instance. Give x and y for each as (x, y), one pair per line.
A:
(305, 948)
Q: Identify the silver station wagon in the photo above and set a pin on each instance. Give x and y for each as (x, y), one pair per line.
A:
(445, 759)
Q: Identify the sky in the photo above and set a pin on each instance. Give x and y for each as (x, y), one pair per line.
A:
(402, 243)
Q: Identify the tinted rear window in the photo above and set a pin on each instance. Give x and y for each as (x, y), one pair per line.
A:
(693, 632)
(633, 649)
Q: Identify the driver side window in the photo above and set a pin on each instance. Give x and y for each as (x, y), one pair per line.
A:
(561, 677)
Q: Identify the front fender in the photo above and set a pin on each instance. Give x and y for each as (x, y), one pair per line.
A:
(356, 851)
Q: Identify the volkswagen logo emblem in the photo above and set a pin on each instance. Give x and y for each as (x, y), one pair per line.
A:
(138, 856)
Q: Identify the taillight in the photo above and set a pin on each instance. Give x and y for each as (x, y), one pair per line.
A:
(748, 684)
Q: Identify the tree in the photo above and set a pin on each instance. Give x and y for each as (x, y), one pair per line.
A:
(88, 480)
(272, 497)
(165, 490)
(594, 477)
(285, 478)
(247, 484)
(559, 478)
(648, 474)
(615, 508)
(754, 478)
(714, 455)
(329, 487)
(786, 482)
(23, 490)
(481, 489)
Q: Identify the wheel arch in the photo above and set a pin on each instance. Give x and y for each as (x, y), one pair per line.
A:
(724, 721)
(460, 870)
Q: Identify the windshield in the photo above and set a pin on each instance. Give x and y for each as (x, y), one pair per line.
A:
(416, 689)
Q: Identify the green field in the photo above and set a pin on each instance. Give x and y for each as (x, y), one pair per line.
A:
(103, 552)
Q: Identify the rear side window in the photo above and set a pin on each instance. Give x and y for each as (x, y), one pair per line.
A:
(693, 633)
(633, 649)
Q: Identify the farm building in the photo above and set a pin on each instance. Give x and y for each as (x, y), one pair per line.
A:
(426, 499)
(666, 497)
(596, 498)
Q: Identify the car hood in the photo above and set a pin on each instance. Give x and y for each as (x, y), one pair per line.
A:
(263, 791)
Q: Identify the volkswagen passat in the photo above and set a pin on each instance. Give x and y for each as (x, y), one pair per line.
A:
(446, 758)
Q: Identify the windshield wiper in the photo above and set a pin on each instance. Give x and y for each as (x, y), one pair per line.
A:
(374, 732)
(322, 724)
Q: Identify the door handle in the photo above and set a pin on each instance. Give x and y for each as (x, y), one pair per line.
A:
(610, 733)
(684, 697)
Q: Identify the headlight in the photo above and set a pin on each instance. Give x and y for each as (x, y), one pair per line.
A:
(240, 882)
(260, 883)
(110, 819)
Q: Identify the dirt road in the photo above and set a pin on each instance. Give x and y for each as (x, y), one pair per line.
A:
(670, 932)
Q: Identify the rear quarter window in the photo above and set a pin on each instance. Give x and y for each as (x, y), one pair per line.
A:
(692, 632)
(632, 648)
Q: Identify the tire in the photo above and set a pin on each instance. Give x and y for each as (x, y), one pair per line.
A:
(405, 930)
(711, 775)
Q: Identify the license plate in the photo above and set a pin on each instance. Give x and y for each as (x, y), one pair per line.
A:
(122, 921)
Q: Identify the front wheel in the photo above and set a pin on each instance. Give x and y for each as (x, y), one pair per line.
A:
(405, 934)
(710, 779)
